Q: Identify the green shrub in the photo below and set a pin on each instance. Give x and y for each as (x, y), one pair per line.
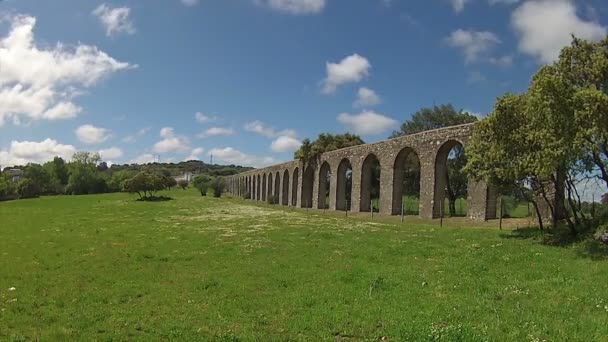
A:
(271, 199)
(218, 185)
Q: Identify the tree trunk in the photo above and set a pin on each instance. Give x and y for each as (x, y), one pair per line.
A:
(452, 200)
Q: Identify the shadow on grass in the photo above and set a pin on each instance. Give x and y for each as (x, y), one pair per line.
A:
(584, 243)
(154, 199)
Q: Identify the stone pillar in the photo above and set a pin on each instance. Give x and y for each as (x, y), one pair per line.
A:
(315, 187)
(427, 185)
(281, 175)
(299, 189)
(481, 201)
(386, 188)
(333, 186)
(355, 205)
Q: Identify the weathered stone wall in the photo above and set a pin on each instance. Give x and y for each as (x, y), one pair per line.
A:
(301, 183)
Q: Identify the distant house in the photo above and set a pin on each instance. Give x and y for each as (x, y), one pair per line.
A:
(15, 174)
(187, 176)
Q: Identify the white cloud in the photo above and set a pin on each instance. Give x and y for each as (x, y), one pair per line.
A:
(23, 152)
(111, 153)
(233, 156)
(458, 5)
(40, 84)
(294, 6)
(216, 131)
(90, 134)
(260, 128)
(503, 2)
(545, 27)
(503, 61)
(285, 143)
(474, 44)
(145, 158)
(170, 142)
(204, 118)
(367, 123)
(138, 134)
(115, 20)
(351, 69)
(195, 154)
(367, 98)
(476, 77)
(189, 2)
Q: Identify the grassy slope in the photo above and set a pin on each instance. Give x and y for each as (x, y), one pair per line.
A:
(107, 267)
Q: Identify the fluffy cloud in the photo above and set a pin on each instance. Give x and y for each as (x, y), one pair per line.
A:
(260, 128)
(233, 156)
(195, 154)
(367, 98)
(40, 84)
(351, 69)
(294, 6)
(189, 2)
(473, 44)
(90, 134)
(545, 27)
(111, 153)
(133, 138)
(216, 131)
(204, 118)
(23, 152)
(367, 123)
(285, 143)
(115, 20)
(170, 142)
(145, 158)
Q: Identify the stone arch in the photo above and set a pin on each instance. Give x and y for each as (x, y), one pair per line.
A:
(324, 185)
(308, 179)
(367, 181)
(294, 187)
(285, 188)
(263, 187)
(441, 174)
(344, 184)
(277, 187)
(407, 154)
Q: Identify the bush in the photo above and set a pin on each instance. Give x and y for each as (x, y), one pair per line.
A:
(27, 188)
(218, 185)
(271, 200)
(183, 184)
(144, 184)
(202, 184)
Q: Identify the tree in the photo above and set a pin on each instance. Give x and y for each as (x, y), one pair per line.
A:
(27, 188)
(218, 185)
(145, 184)
(433, 118)
(83, 173)
(59, 174)
(39, 177)
(556, 134)
(116, 181)
(310, 151)
(202, 183)
(7, 187)
(182, 183)
(169, 181)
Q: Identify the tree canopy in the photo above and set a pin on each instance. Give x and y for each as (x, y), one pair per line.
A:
(310, 151)
(432, 118)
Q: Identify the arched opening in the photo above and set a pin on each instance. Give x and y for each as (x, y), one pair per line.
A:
(258, 187)
(451, 183)
(277, 187)
(253, 187)
(370, 184)
(344, 185)
(324, 185)
(264, 187)
(269, 195)
(294, 187)
(308, 178)
(406, 183)
(285, 197)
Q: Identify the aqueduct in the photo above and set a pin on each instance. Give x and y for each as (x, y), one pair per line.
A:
(306, 186)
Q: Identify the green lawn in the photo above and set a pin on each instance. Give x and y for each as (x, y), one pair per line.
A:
(107, 267)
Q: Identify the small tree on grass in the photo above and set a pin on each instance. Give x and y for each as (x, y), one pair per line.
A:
(182, 184)
(218, 185)
(202, 184)
(169, 181)
(144, 184)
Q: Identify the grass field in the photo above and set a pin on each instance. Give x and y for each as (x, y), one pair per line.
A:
(107, 267)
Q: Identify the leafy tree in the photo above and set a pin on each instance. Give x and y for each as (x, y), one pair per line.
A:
(202, 183)
(83, 174)
(116, 181)
(39, 177)
(310, 151)
(27, 188)
(59, 174)
(145, 184)
(433, 118)
(182, 183)
(218, 185)
(7, 187)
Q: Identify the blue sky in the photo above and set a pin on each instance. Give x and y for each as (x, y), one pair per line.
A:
(247, 80)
